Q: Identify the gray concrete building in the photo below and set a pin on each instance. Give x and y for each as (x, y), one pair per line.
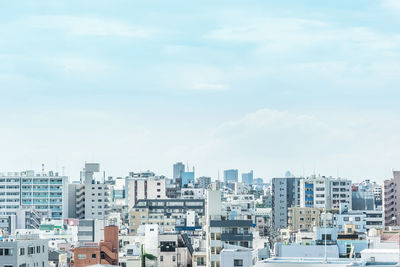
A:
(203, 182)
(24, 251)
(285, 194)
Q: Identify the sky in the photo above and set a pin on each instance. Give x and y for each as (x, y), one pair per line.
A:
(307, 86)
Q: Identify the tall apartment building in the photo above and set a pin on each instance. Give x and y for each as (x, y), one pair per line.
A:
(325, 192)
(247, 178)
(45, 192)
(90, 199)
(138, 188)
(231, 176)
(391, 204)
(285, 194)
(222, 233)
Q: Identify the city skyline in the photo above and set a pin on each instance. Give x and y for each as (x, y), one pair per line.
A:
(269, 87)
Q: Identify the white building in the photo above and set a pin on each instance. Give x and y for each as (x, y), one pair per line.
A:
(238, 257)
(45, 192)
(324, 192)
(193, 193)
(221, 232)
(91, 198)
(138, 188)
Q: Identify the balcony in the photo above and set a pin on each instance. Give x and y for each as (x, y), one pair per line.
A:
(236, 237)
(231, 223)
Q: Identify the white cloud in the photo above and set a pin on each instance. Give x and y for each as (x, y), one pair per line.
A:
(273, 141)
(210, 87)
(391, 4)
(262, 30)
(287, 34)
(195, 77)
(79, 25)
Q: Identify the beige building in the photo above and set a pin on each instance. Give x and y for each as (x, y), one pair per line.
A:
(199, 258)
(137, 217)
(303, 219)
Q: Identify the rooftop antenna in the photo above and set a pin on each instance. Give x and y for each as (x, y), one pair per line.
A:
(187, 165)
(63, 170)
(42, 168)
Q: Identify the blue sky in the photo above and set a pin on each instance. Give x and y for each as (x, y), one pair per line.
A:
(307, 86)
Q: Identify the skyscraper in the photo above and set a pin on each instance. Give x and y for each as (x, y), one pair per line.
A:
(231, 176)
(179, 168)
(247, 178)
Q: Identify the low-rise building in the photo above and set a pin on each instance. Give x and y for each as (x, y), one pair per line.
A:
(174, 250)
(105, 252)
(23, 250)
(167, 213)
(304, 219)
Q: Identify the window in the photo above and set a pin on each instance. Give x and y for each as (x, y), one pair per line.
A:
(237, 262)
(358, 219)
(201, 261)
(161, 258)
(346, 219)
(38, 249)
(22, 251)
(327, 237)
(81, 256)
(8, 252)
(173, 258)
(93, 256)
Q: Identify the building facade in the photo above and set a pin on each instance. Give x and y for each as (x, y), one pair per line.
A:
(285, 194)
(24, 250)
(325, 192)
(231, 176)
(152, 187)
(303, 219)
(45, 192)
(168, 214)
(247, 178)
(391, 203)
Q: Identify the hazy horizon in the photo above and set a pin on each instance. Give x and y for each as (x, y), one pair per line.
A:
(305, 86)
